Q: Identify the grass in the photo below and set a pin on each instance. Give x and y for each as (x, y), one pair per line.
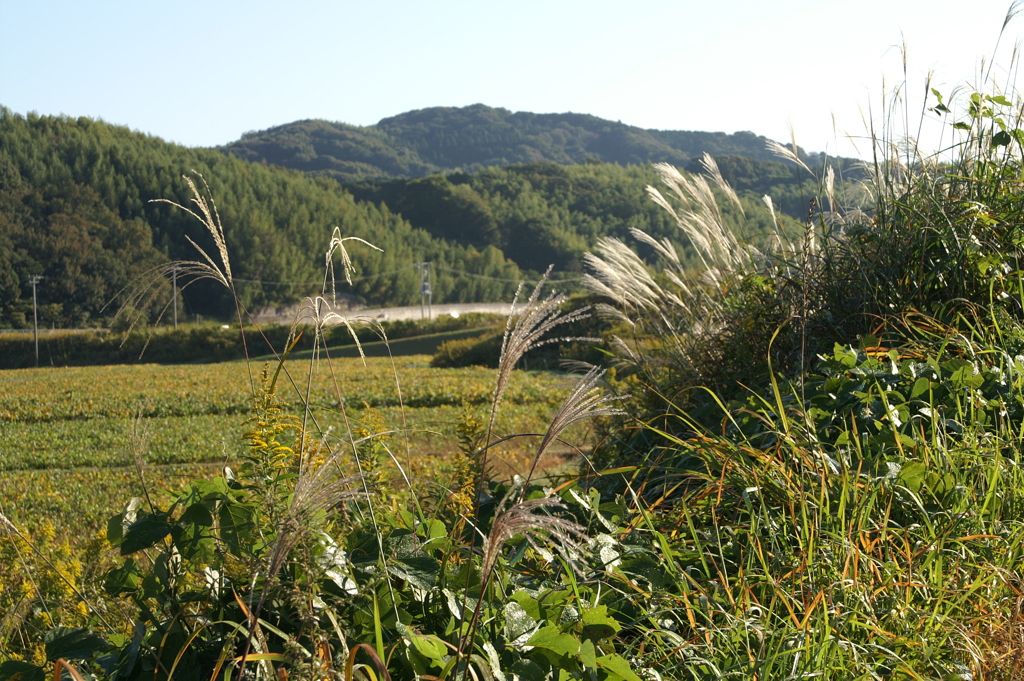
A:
(420, 345)
(819, 474)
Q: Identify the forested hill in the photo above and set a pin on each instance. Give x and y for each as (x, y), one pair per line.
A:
(76, 209)
(442, 139)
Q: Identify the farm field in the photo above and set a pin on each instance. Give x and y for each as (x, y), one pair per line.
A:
(65, 432)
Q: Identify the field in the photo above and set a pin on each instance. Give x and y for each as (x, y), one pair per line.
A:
(65, 433)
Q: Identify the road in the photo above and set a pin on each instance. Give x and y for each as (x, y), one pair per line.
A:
(391, 314)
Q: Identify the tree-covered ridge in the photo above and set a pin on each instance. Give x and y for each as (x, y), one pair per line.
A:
(438, 139)
(542, 214)
(75, 208)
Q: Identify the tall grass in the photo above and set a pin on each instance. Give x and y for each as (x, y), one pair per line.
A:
(325, 555)
(819, 476)
(827, 428)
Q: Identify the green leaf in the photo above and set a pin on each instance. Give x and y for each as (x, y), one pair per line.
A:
(921, 386)
(143, 534)
(123, 579)
(912, 476)
(528, 670)
(647, 568)
(940, 483)
(588, 654)
(617, 668)
(528, 603)
(598, 624)
(72, 644)
(430, 647)
(236, 524)
(23, 671)
(420, 571)
(1001, 139)
(551, 638)
(517, 620)
(197, 514)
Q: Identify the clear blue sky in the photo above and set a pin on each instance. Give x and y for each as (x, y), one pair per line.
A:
(202, 73)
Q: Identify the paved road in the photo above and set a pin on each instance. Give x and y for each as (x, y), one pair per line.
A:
(384, 314)
(391, 314)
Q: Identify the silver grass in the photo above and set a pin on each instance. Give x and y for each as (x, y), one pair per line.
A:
(618, 273)
(145, 288)
(585, 400)
(322, 313)
(211, 220)
(702, 220)
(537, 318)
(315, 491)
(830, 190)
(522, 519)
(786, 153)
(711, 166)
(337, 244)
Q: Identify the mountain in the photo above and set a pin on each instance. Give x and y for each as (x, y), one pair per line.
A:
(443, 139)
(80, 208)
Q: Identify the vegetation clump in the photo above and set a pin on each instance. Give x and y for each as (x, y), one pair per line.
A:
(812, 469)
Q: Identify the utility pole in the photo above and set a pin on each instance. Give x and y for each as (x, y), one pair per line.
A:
(34, 279)
(174, 284)
(426, 297)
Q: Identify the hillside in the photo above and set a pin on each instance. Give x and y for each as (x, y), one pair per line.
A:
(440, 139)
(76, 208)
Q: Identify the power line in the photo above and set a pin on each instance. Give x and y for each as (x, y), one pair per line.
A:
(512, 281)
(316, 283)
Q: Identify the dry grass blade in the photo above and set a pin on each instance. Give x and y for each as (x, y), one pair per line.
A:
(538, 317)
(586, 400)
(785, 152)
(337, 243)
(567, 537)
(211, 220)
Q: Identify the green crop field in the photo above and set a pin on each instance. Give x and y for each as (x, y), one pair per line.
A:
(65, 433)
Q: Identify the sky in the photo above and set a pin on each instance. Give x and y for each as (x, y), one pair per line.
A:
(203, 73)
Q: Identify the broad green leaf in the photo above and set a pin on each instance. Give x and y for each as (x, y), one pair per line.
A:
(72, 644)
(912, 476)
(617, 668)
(528, 670)
(421, 571)
(23, 671)
(236, 524)
(1001, 139)
(598, 624)
(551, 638)
(588, 654)
(123, 579)
(921, 386)
(517, 620)
(197, 514)
(647, 568)
(143, 534)
(528, 603)
(428, 646)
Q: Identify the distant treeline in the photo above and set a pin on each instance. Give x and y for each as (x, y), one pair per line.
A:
(76, 209)
(471, 138)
